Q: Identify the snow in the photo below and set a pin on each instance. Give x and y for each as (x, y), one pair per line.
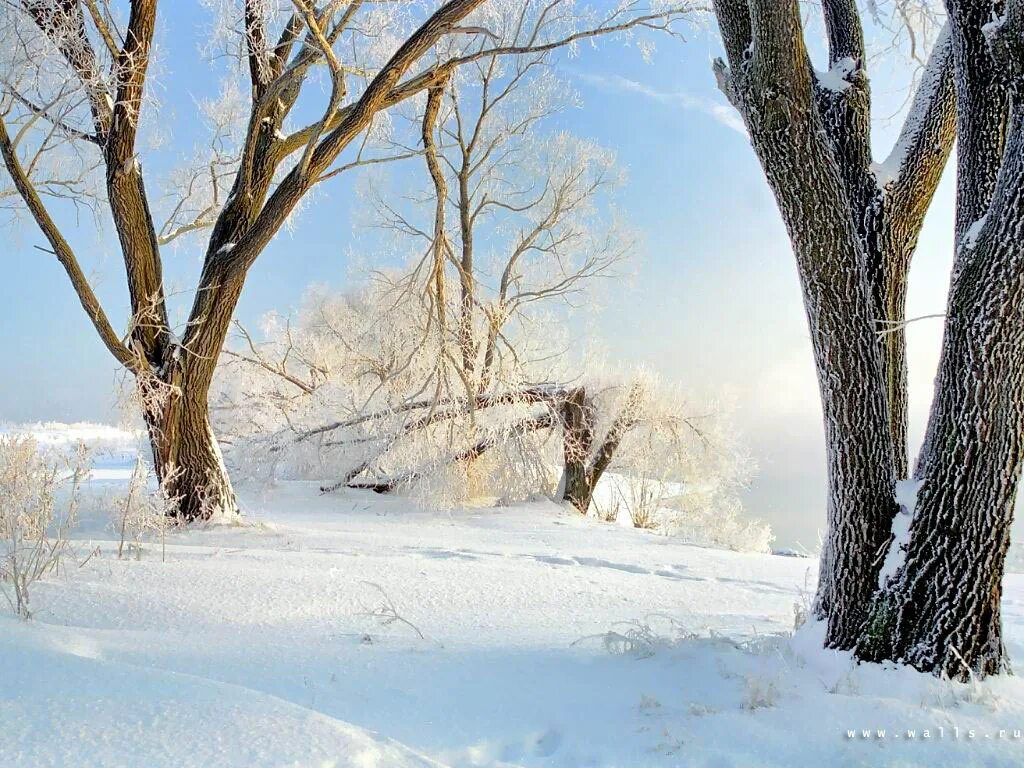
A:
(836, 79)
(906, 497)
(888, 171)
(64, 703)
(96, 436)
(992, 29)
(112, 450)
(970, 239)
(550, 640)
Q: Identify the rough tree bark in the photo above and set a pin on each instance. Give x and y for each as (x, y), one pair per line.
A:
(941, 609)
(852, 233)
(584, 466)
(577, 415)
(854, 226)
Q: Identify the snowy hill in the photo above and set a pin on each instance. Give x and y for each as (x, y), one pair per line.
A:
(547, 640)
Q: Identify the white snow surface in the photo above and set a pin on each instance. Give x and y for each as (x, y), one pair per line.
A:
(550, 640)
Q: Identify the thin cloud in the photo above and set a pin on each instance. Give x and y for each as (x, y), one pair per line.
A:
(718, 112)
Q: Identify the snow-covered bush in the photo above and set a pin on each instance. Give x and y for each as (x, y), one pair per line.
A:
(759, 694)
(642, 638)
(715, 518)
(356, 389)
(676, 467)
(39, 497)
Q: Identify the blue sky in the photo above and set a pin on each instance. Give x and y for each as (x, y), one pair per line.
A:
(714, 302)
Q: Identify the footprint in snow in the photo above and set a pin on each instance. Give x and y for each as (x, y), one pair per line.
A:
(598, 563)
(678, 576)
(552, 560)
(446, 554)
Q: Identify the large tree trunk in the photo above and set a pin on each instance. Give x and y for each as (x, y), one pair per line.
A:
(192, 470)
(861, 460)
(577, 439)
(853, 226)
(941, 610)
(787, 132)
(186, 456)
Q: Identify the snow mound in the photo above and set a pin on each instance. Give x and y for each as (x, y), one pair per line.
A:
(63, 704)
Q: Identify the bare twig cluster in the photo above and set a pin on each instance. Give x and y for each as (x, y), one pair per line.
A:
(39, 500)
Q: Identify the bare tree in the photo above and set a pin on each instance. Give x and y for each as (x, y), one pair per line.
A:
(531, 225)
(73, 70)
(853, 226)
(514, 225)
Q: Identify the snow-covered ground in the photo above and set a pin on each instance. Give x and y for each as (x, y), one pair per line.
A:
(548, 640)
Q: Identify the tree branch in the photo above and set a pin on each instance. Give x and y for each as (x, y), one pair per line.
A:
(926, 139)
(129, 203)
(440, 72)
(737, 35)
(63, 24)
(982, 110)
(845, 34)
(62, 250)
(103, 28)
(256, 47)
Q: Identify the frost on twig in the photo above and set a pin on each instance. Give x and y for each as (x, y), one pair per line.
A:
(141, 513)
(641, 638)
(385, 612)
(39, 499)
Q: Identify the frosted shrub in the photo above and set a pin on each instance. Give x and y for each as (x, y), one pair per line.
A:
(713, 518)
(643, 496)
(353, 391)
(608, 511)
(356, 392)
(39, 500)
(140, 513)
(636, 494)
(645, 502)
(759, 694)
(676, 468)
(642, 638)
